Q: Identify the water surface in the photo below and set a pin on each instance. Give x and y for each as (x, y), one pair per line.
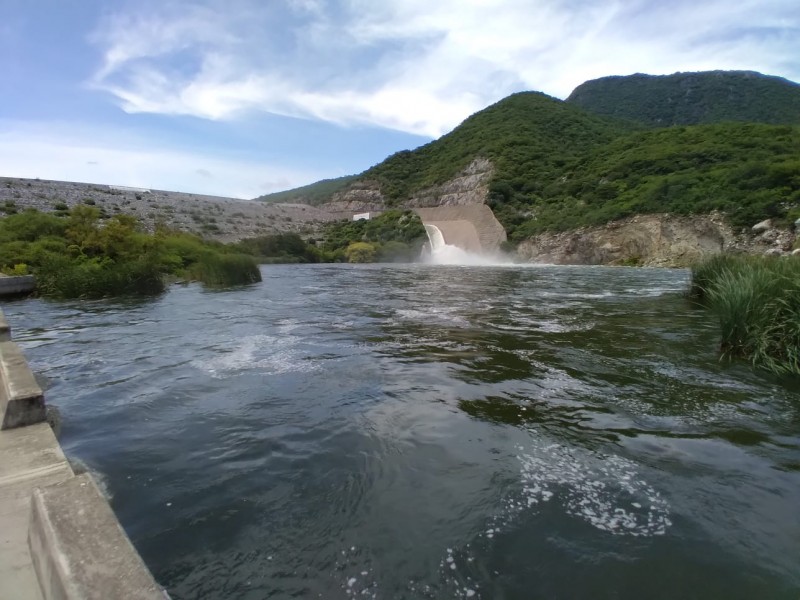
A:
(430, 432)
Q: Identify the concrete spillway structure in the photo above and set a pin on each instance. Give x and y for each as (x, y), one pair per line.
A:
(59, 538)
(471, 227)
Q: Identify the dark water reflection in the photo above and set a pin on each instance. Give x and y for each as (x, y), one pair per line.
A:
(430, 432)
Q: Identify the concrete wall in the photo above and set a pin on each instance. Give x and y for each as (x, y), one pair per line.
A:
(59, 538)
(21, 398)
(471, 227)
(10, 286)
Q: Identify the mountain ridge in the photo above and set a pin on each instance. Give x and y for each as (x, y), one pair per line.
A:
(691, 98)
(556, 165)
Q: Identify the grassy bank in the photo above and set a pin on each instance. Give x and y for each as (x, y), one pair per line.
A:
(757, 301)
(80, 255)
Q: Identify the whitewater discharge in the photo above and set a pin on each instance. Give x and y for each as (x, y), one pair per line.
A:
(274, 354)
(442, 253)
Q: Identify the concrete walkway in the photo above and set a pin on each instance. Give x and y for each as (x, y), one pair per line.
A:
(30, 457)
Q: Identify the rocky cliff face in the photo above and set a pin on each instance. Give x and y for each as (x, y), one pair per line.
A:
(469, 187)
(652, 240)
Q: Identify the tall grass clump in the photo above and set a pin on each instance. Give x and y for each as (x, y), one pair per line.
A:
(757, 302)
(225, 269)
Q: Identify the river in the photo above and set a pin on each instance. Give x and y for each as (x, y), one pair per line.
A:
(418, 431)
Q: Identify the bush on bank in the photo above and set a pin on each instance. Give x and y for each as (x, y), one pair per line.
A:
(757, 301)
(81, 256)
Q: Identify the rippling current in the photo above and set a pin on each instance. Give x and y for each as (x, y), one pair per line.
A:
(430, 432)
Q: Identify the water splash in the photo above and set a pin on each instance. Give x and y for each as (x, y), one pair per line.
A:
(442, 253)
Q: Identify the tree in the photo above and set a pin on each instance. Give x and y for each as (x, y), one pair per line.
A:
(360, 252)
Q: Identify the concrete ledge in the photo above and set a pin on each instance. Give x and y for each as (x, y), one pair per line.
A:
(5, 330)
(11, 286)
(79, 549)
(21, 398)
(30, 457)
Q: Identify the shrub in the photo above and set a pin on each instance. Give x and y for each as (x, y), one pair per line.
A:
(360, 252)
(225, 269)
(61, 277)
(82, 258)
(757, 302)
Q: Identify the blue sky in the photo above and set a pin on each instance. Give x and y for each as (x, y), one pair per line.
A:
(245, 97)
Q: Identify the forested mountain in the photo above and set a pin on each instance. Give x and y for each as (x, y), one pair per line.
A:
(692, 98)
(557, 166)
(529, 137)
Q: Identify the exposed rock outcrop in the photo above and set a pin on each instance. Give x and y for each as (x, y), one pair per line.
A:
(652, 240)
(469, 187)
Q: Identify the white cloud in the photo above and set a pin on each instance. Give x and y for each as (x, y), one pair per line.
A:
(70, 153)
(415, 65)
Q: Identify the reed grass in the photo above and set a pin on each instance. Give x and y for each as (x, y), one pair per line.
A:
(225, 269)
(757, 302)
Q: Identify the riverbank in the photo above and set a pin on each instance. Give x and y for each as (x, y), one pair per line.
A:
(658, 240)
(59, 539)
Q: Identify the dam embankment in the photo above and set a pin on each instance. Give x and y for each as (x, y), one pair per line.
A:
(59, 538)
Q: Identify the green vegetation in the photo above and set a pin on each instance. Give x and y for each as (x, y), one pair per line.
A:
(393, 236)
(757, 301)
(82, 257)
(692, 98)
(281, 248)
(313, 194)
(558, 166)
(529, 137)
(748, 171)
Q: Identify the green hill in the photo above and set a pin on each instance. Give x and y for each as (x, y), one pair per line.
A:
(749, 171)
(692, 98)
(557, 166)
(526, 135)
(313, 194)
(529, 137)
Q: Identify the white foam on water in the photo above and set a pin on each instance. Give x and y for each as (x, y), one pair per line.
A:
(275, 355)
(453, 255)
(606, 491)
(356, 580)
(286, 326)
(441, 314)
(442, 253)
(451, 569)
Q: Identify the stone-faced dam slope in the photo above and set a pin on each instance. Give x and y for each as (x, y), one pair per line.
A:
(223, 219)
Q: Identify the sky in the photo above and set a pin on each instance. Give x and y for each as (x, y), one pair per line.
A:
(245, 97)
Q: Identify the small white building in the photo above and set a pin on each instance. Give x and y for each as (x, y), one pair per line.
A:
(361, 217)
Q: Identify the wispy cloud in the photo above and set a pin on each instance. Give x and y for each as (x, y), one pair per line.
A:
(70, 153)
(414, 65)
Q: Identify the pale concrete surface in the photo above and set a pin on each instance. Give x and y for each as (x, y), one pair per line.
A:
(79, 548)
(24, 284)
(21, 398)
(459, 233)
(59, 538)
(471, 227)
(30, 457)
(5, 330)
